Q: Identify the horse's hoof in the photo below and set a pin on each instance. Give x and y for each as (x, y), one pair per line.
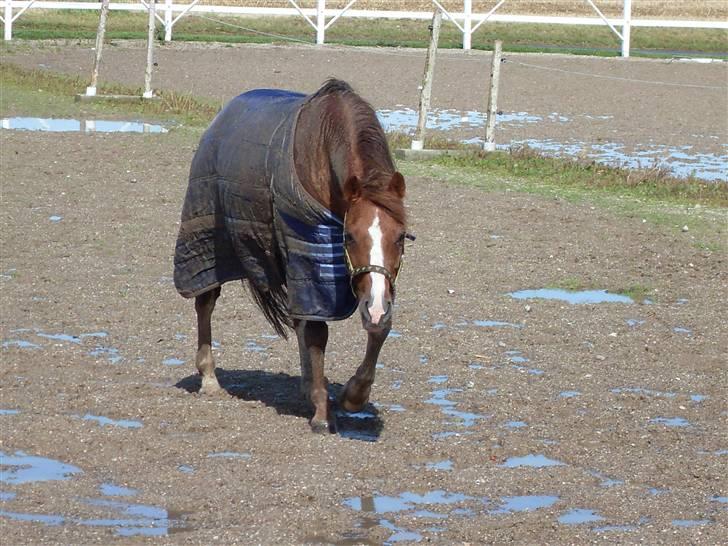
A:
(350, 406)
(319, 427)
(211, 388)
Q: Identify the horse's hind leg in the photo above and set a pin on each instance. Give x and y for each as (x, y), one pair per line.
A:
(357, 389)
(204, 305)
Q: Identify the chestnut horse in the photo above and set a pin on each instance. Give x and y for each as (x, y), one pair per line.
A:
(280, 155)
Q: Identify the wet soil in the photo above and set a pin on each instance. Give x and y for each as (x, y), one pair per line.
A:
(494, 419)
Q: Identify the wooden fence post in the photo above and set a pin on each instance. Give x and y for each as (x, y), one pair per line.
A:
(100, 33)
(419, 140)
(489, 144)
(148, 93)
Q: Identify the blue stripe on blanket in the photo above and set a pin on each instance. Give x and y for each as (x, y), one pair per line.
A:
(316, 257)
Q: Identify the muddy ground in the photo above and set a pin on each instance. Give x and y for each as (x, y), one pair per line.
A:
(494, 420)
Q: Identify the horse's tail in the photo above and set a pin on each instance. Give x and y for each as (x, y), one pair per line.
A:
(273, 302)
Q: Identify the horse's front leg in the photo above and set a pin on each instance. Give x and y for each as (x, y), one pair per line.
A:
(357, 389)
(312, 339)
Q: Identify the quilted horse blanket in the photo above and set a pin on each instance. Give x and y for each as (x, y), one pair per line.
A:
(247, 216)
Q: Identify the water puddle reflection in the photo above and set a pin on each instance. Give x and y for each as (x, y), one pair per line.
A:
(111, 490)
(102, 421)
(578, 516)
(525, 503)
(533, 461)
(9, 412)
(229, 455)
(691, 522)
(55, 125)
(22, 468)
(572, 297)
(670, 421)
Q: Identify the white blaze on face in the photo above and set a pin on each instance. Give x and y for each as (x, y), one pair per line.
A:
(376, 257)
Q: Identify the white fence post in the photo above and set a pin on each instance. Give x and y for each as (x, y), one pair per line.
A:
(320, 22)
(168, 20)
(8, 20)
(626, 27)
(467, 24)
(148, 93)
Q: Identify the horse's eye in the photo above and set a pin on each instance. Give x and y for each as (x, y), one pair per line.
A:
(348, 238)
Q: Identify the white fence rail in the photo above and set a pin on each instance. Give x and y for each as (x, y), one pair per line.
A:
(321, 18)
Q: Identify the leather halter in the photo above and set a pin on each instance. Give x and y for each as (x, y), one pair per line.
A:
(354, 272)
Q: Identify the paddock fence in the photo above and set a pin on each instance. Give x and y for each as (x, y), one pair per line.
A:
(321, 17)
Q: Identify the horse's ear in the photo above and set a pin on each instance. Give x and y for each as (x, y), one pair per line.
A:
(397, 185)
(352, 189)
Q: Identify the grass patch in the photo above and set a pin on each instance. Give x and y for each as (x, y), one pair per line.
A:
(39, 91)
(576, 39)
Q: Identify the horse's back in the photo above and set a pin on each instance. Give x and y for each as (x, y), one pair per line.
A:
(226, 231)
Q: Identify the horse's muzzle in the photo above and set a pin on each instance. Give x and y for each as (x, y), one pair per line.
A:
(383, 322)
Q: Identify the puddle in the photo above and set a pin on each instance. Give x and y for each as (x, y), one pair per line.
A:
(439, 398)
(9, 412)
(681, 330)
(102, 421)
(691, 522)
(187, 469)
(698, 397)
(400, 534)
(424, 359)
(633, 323)
(383, 504)
(60, 337)
(57, 125)
(110, 353)
(525, 503)
(578, 516)
(55, 219)
(643, 391)
(721, 500)
(606, 480)
(533, 461)
(680, 161)
(23, 468)
(515, 424)
(228, 455)
(572, 297)
(438, 379)
(404, 120)
(172, 361)
(394, 333)
(569, 394)
(671, 421)
(111, 490)
(35, 518)
(6, 496)
(440, 465)
(144, 520)
(615, 529)
(496, 324)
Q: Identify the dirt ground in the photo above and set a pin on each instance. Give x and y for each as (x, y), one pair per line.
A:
(494, 419)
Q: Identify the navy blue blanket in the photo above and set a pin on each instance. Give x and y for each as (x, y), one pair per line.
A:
(246, 215)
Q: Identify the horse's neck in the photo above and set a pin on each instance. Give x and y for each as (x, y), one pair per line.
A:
(324, 162)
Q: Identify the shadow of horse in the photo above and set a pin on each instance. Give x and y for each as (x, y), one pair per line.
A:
(282, 392)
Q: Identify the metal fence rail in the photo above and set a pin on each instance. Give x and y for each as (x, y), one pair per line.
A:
(320, 18)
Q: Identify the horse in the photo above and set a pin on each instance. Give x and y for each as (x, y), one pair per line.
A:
(297, 196)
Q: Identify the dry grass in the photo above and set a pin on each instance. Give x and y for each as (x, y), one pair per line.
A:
(646, 9)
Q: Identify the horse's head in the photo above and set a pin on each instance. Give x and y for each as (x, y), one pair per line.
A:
(374, 230)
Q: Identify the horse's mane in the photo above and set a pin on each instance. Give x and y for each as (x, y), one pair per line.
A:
(366, 136)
